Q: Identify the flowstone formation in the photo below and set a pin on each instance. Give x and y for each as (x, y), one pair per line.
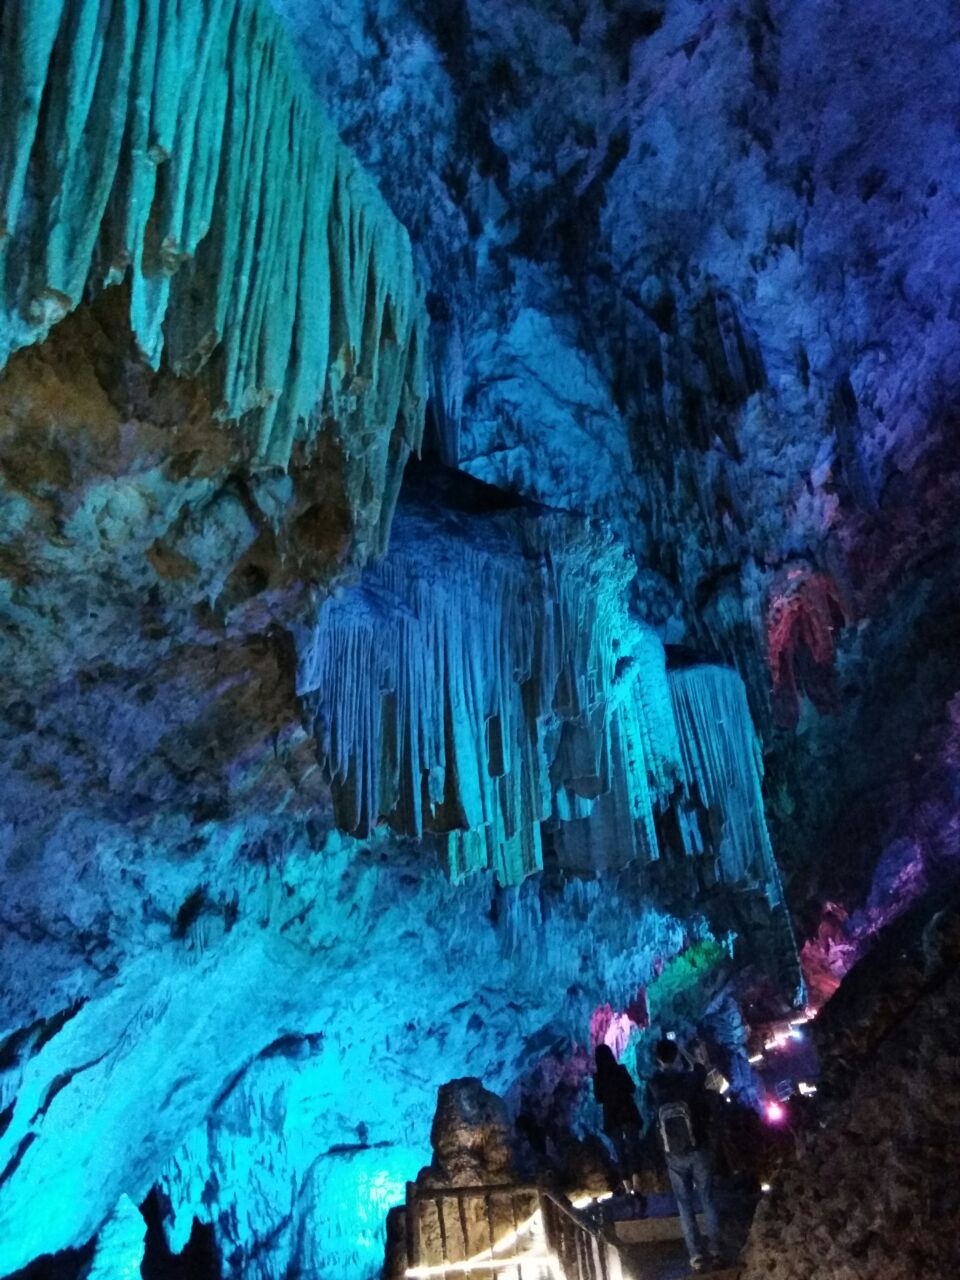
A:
(179, 148)
(298, 825)
(235, 1001)
(487, 682)
(401, 981)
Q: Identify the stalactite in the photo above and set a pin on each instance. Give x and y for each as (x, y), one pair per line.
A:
(722, 764)
(418, 704)
(805, 610)
(181, 146)
(486, 683)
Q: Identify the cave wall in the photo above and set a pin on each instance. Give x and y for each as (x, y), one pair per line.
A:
(871, 1192)
(300, 1157)
(289, 1029)
(202, 981)
(691, 267)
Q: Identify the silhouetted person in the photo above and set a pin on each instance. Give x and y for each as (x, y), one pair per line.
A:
(680, 1103)
(614, 1089)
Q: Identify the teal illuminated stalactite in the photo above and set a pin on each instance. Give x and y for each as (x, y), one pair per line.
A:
(489, 690)
(723, 768)
(441, 688)
(723, 765)
(180, 145)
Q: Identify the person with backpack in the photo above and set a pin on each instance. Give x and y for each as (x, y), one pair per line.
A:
(678, 1099)
(613, 1088)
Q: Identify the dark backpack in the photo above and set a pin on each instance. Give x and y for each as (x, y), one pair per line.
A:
(675, 1122)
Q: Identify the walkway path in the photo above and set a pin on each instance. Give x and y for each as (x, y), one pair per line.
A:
(665, 1260)
(652, 1246)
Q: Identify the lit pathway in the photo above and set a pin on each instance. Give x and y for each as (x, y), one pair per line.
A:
(652, 1247)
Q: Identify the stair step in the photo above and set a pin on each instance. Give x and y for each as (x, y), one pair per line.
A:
(646, 1230)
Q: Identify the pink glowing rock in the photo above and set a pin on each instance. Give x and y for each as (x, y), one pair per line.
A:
(804, 610)
(609, 1027)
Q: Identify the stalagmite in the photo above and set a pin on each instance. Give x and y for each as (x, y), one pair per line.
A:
(179, 146)
(120, 1242)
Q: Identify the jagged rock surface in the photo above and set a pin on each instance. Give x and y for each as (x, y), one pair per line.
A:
(874, 1194)
(471, 1136)
(306, 1146)
(692, 269)
(172, 904)
(179, 147)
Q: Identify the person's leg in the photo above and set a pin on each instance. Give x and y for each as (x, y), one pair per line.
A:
(618, 1137)
(681, 1181)
(632, 1169)
(632, 1150)
(702, 1169)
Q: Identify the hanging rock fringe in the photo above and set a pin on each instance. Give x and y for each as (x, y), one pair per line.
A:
(489, 687)
(723, 765)
(180, 145)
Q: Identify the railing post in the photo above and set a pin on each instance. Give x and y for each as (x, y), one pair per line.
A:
(443, 1234)
(516, 1231)
(464, 1230)
(582, 1251)
(413, 1240)
(613, 1265)
(489, 1214)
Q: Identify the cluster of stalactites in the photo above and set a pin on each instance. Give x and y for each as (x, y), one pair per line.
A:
(723, 769)
(489, 693)
(180, 144)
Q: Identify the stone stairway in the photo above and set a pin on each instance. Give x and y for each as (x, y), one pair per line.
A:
(652, 1246)
(664, 1259)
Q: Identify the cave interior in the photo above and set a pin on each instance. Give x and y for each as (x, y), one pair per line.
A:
(479, 582)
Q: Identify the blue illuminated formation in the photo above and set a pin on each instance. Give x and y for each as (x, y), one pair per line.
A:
(255, 927)
(182, 150)
(479, 685)
(478, 491)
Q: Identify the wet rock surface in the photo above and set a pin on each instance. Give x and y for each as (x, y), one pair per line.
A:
(681, 277)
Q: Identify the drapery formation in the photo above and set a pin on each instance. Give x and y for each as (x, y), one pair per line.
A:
(722, 764)
(179, 145)
(488, 684)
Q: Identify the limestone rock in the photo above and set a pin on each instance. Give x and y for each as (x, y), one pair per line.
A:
(181, 147)
(471, 1136)
(873, 1192)
(119, 1249)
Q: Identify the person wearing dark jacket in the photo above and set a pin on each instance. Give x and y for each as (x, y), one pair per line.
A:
(677, 1098)
(614, 1089)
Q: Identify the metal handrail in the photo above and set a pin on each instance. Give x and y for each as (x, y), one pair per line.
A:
(595, 1252)
(478, 1189)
